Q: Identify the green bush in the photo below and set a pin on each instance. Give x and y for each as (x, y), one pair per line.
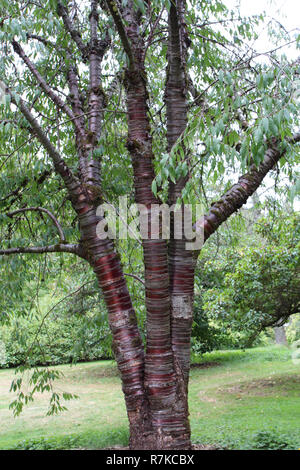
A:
(293, 329)
(58, 340)
(207, 336)
(272, 440)
(49, 443)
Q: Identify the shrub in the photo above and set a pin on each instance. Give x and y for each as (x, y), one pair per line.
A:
(58, 340)
(49, 443)
(272, 440)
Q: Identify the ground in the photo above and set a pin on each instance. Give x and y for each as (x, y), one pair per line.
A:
(233, 396)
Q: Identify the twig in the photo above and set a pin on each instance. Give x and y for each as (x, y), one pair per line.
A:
(46, 211)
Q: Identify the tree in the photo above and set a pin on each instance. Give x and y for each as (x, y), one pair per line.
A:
(261, 288)
(86, 96)
(252, 284)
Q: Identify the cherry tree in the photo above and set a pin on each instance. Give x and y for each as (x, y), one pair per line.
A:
(158, 98)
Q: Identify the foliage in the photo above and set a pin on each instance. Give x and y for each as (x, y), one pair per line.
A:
(272, 440)
(293, 329)
(73, 329)
(206, 335)
(259, 284)
(64, 321)
(60, 340)
(48, 443)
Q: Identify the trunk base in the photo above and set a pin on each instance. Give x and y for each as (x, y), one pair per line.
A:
(143, 436)
(174, 432)
(158, 441)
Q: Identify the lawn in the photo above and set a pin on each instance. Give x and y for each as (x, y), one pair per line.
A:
(234, 395)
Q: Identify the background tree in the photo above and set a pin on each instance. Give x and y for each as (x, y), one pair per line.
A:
(259, 283)
(89, 115)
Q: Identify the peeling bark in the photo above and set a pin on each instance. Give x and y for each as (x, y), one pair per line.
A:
(127, 343)
(181, 261)
(167, 413)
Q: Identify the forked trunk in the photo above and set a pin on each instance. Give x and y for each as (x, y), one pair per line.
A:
(154, 384)
(155, 389)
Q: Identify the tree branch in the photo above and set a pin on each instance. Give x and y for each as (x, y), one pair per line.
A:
(239, 193)
(78, 110)
(71, 182)
(176, 85)
(134, 276)
(96, 96)
(44, 41)
(113, 8)
(46, 211)
(76, 36)
(59, 248)
(44, 85)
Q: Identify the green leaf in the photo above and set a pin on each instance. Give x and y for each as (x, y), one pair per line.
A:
(265, 124)
(154, 187)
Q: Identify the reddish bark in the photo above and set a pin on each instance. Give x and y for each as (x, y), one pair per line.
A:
(239, 193)
(181, 261)
(160, 383)
(127, 343)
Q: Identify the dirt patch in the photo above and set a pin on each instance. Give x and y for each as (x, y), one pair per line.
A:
(206, 398)
(204, 365)
(104, 372)
(94, 372)
(265, 387)
(203, 447)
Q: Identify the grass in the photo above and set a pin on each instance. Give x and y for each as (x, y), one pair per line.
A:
(249, 392)
(240, 394)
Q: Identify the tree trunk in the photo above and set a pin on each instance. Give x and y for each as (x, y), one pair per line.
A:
(175, 432)
(280, 335)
